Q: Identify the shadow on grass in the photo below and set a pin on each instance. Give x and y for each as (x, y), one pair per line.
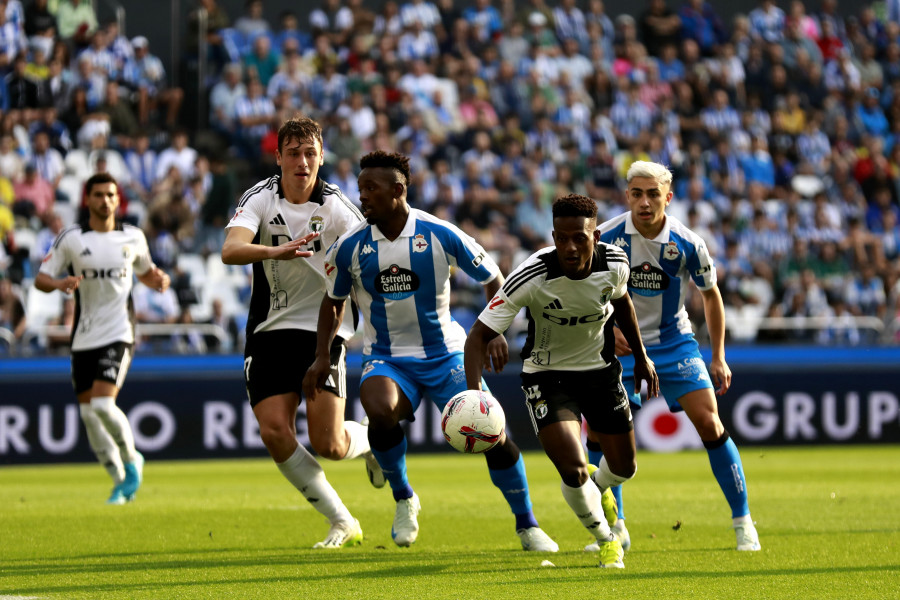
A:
(400, 568)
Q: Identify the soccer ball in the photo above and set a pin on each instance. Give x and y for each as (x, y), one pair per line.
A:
(473, 421)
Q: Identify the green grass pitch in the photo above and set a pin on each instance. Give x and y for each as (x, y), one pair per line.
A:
(829, 522)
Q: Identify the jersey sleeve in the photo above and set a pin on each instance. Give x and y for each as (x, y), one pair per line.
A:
(509, 300)
(339, 280)
(467, 254)
(618, 262)
(142, 260)
(57, 258)
(700, 265)
(247, 215)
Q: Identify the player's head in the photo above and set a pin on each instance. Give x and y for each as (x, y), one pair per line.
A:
(575, 234)
(648, 194)
(383, 180)
(299, 151)
(102, 193)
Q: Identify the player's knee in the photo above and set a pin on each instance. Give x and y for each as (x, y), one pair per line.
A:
(574, 476)
(327, 445)
(380, 418)
(275, 435)
(710, 427)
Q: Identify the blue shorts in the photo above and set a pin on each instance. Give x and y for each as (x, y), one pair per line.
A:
(438, 379)
(680, 368)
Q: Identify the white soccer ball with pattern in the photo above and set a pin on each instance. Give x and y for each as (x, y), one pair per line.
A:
(473, 421)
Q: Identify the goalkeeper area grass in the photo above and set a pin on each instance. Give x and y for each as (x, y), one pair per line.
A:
(828, 519)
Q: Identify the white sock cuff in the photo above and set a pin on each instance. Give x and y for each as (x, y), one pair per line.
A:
(103, 403)
(86, 410)
(742, 520)
(604, 478)
(301, 467)
(359, 439)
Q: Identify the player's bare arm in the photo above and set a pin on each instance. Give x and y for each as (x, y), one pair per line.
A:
(155, 278)
(629, 329)
(476, 353)
(331, 314)
(239, 248)
(66, 285)
(622, 347)
(714, 310)
(497, 348)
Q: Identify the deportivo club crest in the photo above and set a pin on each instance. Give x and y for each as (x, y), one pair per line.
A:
(419, 244)
(671, 252)
(316, 224)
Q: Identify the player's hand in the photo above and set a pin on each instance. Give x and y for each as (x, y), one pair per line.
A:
(292, 249)
(622, 347)
(720, 375)
(69, 284)
(498, 353)
(315, 378)
(646, 371)
(161, 279)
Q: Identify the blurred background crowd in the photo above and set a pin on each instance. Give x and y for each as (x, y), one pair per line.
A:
(781, 125)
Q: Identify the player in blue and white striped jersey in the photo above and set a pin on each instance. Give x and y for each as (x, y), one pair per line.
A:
(570, 371)
(398, 263)
(665, 256)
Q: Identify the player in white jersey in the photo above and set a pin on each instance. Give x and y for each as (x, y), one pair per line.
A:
(282, 226)
(398, 264)
(569, 365)
(665, 255)
(101, 257)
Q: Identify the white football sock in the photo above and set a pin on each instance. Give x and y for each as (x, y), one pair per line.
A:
(102, 444)
(737, 521)
(359, 439)
(116, 423)
(302, 470)
(604, 478)
(585, 503)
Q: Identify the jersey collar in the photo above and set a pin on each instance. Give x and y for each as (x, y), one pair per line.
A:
(409, 229)
(663, 236)
(317, 196)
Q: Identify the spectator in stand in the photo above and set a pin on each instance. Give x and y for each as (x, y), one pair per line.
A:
(141, 160)
(767, 22)
(216, 20)
(332, 19)
(21, 90)
(146, 74)
(262, 61)
(179, 154)
(77, 21)
(254, 115)
(252, 23)
(12, 308)
(289, 31)
(123, 123)
(700, 23)
(34, 196)
(659, 27)
(48, 161)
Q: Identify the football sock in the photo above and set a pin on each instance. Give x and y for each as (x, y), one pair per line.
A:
(302, 470)
(359, 439)
(604, 478)
(725, 461)
(585, 503)
(102, 444)
(393, 463)
(116, 423)
(514, 486)
(594, 456)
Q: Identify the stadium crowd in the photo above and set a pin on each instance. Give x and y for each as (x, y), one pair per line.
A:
(782, 127)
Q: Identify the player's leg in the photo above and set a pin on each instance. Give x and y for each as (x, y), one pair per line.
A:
(329, 434)
(84, 369)
(277, 417)
(614, 505)
(725, 460)
(112, 367)
(385, 392)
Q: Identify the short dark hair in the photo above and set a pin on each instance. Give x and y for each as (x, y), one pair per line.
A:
(98, 179)
(386, 160)
(575, 205)
(302, 129)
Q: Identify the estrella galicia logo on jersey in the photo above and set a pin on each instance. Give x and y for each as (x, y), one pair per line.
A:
(316, 224)
(419, 244)
(647, 280)
(671, 252)
(396, 283)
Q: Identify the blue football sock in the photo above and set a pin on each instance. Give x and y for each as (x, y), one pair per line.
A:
(594, 457)
(725, 461)
(514, 486)
(393, 464)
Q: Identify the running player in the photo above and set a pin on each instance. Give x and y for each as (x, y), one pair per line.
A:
(100, 257)
(569, 366)
(282, 226)
(665, 255)
(398, 263)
